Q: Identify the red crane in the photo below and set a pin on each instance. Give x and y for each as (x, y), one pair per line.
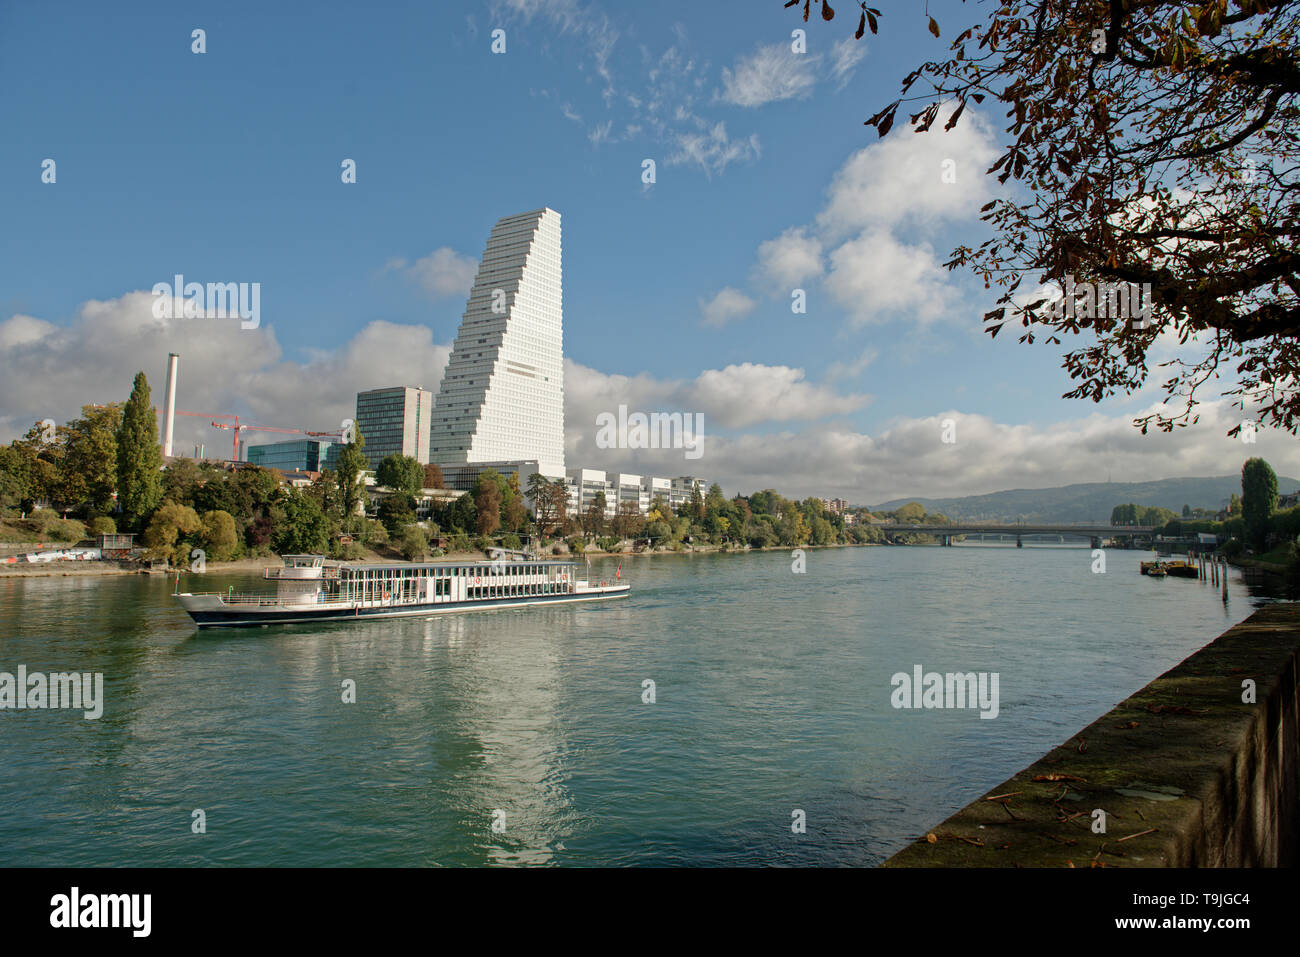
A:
(236, 426)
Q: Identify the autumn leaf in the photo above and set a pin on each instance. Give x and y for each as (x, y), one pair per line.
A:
(862, 26)
(827, 12)
(1058, 776)
(934, 27)
(806, 5)
(931, 838)
(952, 120)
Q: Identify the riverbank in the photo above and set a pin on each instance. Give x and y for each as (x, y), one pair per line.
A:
(255, 565)
(1201, 768)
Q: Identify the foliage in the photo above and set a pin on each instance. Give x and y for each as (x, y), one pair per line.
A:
(395, 512)
(90, 457)
(298, 524)
(167, 534)
(102, 525)
(1258, 501)
(1155, 142)
(139, 459)
(218, 536)
(489, 493)
(401, 473)
(347, 472)
(413, 543)
(550, 502)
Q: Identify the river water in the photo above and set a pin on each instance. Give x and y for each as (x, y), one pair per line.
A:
(772, 696)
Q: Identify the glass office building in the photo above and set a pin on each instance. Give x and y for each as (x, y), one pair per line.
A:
(296, 455)
(395, 422)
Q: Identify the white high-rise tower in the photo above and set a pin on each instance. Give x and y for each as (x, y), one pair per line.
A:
(502, 395)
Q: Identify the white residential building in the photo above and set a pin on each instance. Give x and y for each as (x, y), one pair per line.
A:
(502, 394)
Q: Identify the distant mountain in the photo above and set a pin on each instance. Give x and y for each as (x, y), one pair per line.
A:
(1086, 502)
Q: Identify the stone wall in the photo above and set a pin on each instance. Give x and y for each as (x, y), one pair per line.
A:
(1186, 773)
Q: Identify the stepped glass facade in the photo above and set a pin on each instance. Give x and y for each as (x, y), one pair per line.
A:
(502, 395)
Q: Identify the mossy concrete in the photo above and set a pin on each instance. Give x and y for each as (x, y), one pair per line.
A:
(1188, 774)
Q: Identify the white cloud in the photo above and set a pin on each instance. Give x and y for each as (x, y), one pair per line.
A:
(899, 179)
(880, 191)
(789, 260)
(908, 458)
(56, 369)
(876, 275)
(713, 150)
(735, 397)
(49, 371)
(444, 272)
(852, 368)
(846, 54)
(769, 74)
(729, 304)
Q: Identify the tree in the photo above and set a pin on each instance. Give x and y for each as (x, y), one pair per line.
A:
(396, 512)
(695, 507)
(413, 543)
(1156, 141)
(514, 514)
(351, 463)
(181, 480)
(1187, 511)
(163, 538)
(298, 524)
(90, 456)
(913, 512)
(217, 535)
(487, 501)
(1258, 501)
(460, 515)
(433, 476)
(401, 473)
(550, 502)
(593, 520)
(627, 520)
(139, 459)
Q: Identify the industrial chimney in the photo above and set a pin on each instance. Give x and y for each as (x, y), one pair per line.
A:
(169, 414)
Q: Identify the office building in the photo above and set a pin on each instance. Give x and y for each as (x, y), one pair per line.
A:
(395, 421)
(502, 394)
(295, 455)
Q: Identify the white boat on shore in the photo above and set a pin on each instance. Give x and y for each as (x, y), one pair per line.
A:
(313, 588)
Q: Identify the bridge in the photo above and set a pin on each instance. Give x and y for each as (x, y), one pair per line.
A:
(1092, 531)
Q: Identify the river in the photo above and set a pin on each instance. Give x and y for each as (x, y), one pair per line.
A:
(772, 705)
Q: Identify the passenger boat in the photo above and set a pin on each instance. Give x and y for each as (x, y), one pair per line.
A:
(313, 588)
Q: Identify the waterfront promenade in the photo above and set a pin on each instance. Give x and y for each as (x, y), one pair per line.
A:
(1200, 768)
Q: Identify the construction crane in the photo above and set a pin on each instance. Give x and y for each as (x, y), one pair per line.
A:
(234, 425)
(238, 427)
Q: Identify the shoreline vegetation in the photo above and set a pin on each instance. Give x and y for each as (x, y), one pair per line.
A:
(103, 568)
(103, 474)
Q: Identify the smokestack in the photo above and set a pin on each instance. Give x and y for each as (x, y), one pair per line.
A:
(169, 413)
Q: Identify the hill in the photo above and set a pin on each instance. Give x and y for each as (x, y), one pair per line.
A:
(1087, 502)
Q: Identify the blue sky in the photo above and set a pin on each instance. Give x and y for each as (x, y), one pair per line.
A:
(225, 166)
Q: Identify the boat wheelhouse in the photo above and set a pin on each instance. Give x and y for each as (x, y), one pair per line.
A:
(314, 588)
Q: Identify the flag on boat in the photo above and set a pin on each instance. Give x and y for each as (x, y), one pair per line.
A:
(619, 574)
